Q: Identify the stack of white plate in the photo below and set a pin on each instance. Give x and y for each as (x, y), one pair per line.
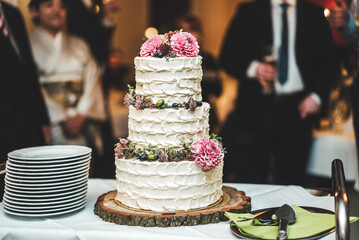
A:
(46, 181)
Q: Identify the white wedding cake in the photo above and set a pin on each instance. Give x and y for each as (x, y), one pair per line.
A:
(169, 162)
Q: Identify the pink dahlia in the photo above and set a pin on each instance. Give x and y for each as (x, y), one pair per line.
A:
(184, 44)
(206, 154)
(149, 47)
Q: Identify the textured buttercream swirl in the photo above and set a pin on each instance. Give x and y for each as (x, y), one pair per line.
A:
(165, 127)
(174, 80)
(160, 186)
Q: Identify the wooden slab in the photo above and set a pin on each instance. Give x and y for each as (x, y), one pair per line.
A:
(111, 211)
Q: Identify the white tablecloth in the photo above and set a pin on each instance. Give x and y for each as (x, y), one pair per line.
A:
(85, 225)
(329, 145)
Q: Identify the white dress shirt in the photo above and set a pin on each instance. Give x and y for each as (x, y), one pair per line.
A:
(294, 82)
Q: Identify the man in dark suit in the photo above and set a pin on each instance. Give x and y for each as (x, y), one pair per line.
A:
(23, 115)
(271, 128)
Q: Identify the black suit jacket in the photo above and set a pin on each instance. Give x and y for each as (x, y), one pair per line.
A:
(22, 108)
(251, 30)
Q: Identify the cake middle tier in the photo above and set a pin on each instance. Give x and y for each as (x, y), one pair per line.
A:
(165, 127)
(175, 80)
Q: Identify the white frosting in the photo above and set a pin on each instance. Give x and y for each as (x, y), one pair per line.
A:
(165, 127)
(161, 186)
(175, 79)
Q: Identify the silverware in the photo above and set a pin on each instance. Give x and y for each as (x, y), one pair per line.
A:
(261, 219)
(285, 215)
(265, 218)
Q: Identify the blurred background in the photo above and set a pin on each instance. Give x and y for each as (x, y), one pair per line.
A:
(215, 16)
(138, 18)
(333, 137)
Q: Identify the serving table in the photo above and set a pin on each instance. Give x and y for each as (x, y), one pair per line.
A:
(85, 225)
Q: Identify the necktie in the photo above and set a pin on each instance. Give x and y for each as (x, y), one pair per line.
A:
(283, 51)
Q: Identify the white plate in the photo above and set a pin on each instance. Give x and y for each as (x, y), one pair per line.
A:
(49, 152)
(59, 183)
(49, 187)
(52, 185)
(48, 167)
(43, 196)
(47, 191)
(51, 163)
(22, 203)
(47, 180)
(41, 214)
(15, 213)
(39, 207)
(19, 197)
(41, 175)
(43, 210)
(47, 201)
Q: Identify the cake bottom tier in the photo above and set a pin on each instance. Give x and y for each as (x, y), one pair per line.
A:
(163, 186)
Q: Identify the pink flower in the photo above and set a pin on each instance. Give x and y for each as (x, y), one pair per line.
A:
(151, 45)
(124, 148)
(184, 44)
(142, 102)
(207, 154)
(117, 150)
(163, 156)
(129, 99)
(192, 105)
(124, 142)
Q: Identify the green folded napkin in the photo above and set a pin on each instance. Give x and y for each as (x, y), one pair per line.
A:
(307, 224)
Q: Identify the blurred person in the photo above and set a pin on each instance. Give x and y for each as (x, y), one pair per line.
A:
(24, 120)
(93, 21)
(116, 77)
(211, 82)
(271, 127)
(341, 19)
(69, 78)
(117, 73)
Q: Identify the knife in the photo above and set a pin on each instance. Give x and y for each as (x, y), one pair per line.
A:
(285, 215)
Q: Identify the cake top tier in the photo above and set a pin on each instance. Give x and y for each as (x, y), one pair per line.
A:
(169, 68)
(175, 80)
(170, 45)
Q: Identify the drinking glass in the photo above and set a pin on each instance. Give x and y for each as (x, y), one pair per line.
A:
(270, 57)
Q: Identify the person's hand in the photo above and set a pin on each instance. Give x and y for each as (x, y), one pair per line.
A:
(46, 132)
(265, 74)
(110, 9)
(73, 125)
(307, 107)
(339, 15)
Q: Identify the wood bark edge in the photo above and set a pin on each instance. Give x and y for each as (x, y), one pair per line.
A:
(233, 201)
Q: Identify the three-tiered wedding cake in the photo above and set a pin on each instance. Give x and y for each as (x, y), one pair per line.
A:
(169, 162)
